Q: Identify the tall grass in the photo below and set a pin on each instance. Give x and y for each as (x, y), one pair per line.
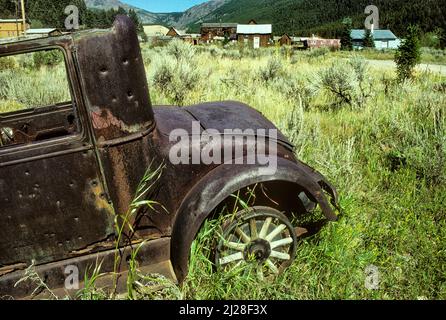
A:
(385, 152)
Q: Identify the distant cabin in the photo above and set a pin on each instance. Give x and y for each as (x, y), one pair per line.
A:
(285, 40)
(384, 39)
(256, 35)
(175, 33)
(192, 38)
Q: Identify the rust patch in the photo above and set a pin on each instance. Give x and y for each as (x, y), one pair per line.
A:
(103, 119)
(98, 197)
(120, 181)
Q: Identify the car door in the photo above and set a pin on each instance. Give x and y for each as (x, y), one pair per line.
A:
(53, 202)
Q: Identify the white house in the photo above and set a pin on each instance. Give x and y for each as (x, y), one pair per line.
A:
(384, 39)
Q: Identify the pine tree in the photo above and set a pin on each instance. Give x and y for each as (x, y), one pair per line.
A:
(408, 54)
(346, 35)
(442, 38)
(368, 41)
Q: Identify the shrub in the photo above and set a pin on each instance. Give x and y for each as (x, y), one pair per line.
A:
(340, 81)
(175, 79)
(271, 71)
(47, 58)
(7, 63)
(181, 50)
(408, 54)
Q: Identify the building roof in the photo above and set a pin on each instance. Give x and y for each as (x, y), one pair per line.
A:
(359, 34)
(156, 30)
(219, 25)
(254, 29)
(179, 32)
(10, 20)
(41, 31)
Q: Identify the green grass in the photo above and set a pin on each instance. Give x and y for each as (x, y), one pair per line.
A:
(386, 157)
(385, 152)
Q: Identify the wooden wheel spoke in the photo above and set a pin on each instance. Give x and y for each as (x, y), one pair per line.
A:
(231, 258)
(275, 232)
(280, 255)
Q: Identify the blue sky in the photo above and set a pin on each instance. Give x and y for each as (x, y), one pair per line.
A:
(164, 5)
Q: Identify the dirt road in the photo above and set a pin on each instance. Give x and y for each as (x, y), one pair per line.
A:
(387, 64)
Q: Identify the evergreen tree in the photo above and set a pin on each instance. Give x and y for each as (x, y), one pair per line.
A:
(408, 54)
(368, 41)
(346, 34)
(442, 38)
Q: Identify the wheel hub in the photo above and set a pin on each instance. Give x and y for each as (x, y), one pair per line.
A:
(258, 249)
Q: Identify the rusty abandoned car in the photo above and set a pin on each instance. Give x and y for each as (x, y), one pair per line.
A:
(68, 169)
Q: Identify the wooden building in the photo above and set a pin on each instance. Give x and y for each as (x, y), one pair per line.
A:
(313, 43)
(215, 31)
(175, 33)
(285, 40)
(192, 38)
(10, 28)
(255, 35)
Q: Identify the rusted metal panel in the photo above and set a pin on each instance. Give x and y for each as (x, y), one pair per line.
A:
(52, 208)
(157, 252)
(114, 81)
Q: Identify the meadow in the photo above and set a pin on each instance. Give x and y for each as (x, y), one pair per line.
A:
(382, 143)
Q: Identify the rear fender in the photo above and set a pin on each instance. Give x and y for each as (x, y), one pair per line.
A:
(224, 181)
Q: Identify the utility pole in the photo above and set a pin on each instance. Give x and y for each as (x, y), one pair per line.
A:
(22, 2)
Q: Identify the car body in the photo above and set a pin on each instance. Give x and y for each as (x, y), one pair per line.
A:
(60, 194)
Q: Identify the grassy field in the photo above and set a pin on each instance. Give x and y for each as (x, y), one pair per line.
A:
(385, 151)
(381, 143)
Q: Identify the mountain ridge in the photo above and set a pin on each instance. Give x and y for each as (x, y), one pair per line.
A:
(303, 17)
(176, 19)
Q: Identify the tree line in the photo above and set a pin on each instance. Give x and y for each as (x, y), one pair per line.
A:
(51, 14)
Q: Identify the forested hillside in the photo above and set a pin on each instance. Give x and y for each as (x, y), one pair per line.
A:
(51, 13)
(325, 16)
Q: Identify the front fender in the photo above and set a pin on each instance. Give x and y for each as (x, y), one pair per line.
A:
(218, 185)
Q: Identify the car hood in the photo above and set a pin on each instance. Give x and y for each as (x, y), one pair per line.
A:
(225, 115)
